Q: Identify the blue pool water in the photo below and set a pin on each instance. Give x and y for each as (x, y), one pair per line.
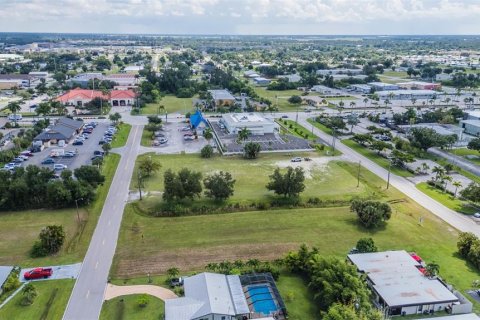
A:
(262, 300)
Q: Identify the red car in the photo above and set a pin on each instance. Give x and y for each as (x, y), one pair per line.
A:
(38, 273)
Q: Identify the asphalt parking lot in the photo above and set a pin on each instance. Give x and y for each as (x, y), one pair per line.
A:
(176, 144)
(84, 152)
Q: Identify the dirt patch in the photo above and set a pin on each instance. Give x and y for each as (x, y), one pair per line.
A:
(114, 291)
(316, 164)
(197, 259)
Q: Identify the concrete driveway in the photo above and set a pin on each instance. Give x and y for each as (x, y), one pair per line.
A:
(69, 271)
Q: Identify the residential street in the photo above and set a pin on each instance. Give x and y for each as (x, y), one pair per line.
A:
(87, 297)
(453, 218)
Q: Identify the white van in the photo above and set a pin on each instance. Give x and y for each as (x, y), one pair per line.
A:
(15, 117)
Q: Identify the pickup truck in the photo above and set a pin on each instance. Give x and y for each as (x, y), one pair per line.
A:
(38, 273)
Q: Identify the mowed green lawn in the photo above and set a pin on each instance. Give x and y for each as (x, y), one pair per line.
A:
(281, 96)
(252, 175)
(50, 303)
(375, 157)
(126, 307)
(446, 199)
(20, 229)
(171, 103)
(121, 137)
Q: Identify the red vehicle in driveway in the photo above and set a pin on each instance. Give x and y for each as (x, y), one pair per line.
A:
(38, 273)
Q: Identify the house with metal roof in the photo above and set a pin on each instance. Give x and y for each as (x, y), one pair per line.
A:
(4, 273)
(64, 129)
(401, 288)
(209, 296)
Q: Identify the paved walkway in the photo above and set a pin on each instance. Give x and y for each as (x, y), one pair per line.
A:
(87, 297)
(161, 293)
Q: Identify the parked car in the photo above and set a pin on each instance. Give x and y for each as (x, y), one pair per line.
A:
(38, 273)
(48, 161)
(296, 159)
(9, 166)
(476, 214)
(96, 157)
(98, 153)
(284, 116)
(69, 154)
(18, 160)
(186, 128)
(59, 166)
(101, 142)
(163, 140)
(176, 282)
(25, 158)
(27, 153)
(77, 143)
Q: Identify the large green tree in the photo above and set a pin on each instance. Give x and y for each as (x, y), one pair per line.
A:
(184, 184)
(52, 238)
(289, 184)
(365, 245)
(371, 213)
(149, 166)
(219, 186)
(251, 150)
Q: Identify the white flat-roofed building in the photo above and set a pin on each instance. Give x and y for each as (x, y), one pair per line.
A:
(122, 79)
(473, 115)
(254, 122)
(381, 86)
(399, 285)
(352, 72)
(407, 94)
(363, 88)
(471, 127)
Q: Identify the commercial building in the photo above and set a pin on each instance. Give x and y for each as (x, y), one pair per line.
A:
(362, 88)
(254, 122)
(326, 91)
(419, 85)
(212, 296)
(133, 69)
(350, 72)
(473, 115)
(80, 97)
(381, 86)
(407, 94)
(400, 286)
(222, 97)
(471, 127)
(260, 81)
(63, 130)
(20, 80)
(82, 79)
(122, 79)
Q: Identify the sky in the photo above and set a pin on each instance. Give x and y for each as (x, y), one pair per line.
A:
(306, 17)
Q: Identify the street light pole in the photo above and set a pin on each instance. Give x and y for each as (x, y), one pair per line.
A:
(388, 177)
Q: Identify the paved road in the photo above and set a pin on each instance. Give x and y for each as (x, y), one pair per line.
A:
(453, 218)
(457, 160)
(87, 297)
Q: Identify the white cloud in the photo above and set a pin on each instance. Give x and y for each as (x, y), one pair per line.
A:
(215, 16)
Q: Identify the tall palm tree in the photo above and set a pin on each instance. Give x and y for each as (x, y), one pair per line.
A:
(352, 104)
(243, 134)
(208, 134)
(456, 184)
(438, 171)
(14, 107)
(365, 100)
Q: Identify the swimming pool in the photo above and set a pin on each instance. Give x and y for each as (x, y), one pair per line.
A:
(262, 300)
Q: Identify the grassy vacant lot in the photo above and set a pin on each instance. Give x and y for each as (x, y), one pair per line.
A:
(378, 159)
(463, 152)
(398, 74)
(320, 126)
(50, 303)
(171, 103)
(122, 135)
(446, 199)
(126, 307)
(283, 104)
(252, 176)
(20, 229)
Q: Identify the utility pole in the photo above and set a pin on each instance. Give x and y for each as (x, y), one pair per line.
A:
(388, 177)
(358, 175)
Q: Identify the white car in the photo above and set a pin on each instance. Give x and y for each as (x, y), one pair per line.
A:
(476, 214)
(296, 159)
(59, 166)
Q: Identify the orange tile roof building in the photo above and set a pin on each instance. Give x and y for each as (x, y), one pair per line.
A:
(80, 97)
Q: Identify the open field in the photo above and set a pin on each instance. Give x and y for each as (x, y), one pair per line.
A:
(126, 307)
(20, 229)
(378, 159)
(283, 104)
(446, 199)
(252, 176)
(50, 303)
(121, 136)
(398, 74)
(171, 103)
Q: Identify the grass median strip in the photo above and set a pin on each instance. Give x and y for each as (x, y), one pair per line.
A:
(121, 136)
(446, 199)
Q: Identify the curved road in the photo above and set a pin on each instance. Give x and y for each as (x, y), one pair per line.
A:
(87, 297)
(453, 218)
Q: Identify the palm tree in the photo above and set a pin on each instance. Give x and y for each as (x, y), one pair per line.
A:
(352, 104)
(14, 107)
(447, 100)
(438, 171)
(44, 109)
(445, 179)
(208, 134)
(456, 184)
(173, 272)
(243, 134)
(413, 100)
(365, 100)
(425, 167)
